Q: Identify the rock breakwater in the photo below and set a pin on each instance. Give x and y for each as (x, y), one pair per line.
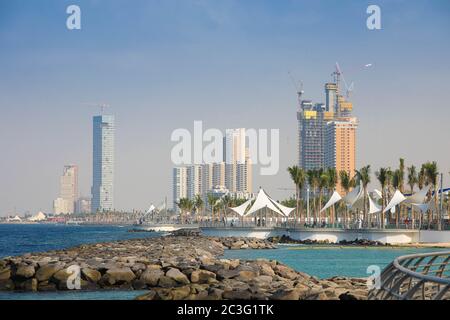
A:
(172, 268)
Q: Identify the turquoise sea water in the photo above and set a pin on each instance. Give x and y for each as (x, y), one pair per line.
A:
(329, 261)
(319, 261)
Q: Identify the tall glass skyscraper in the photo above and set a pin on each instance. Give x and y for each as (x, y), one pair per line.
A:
(103, 163)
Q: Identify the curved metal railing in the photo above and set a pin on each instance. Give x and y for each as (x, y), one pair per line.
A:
(415, 277)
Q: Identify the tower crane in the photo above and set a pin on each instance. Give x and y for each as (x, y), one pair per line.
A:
(102, 106)
(298, 87)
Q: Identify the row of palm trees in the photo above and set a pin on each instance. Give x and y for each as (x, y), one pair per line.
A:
(218, 206)
(390, 180)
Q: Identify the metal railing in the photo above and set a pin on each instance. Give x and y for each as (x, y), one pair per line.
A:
(415, 277)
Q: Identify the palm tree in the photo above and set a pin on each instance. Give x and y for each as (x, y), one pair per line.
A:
(364, 177)
(323, 183)
(298, 176)
(312, 181)
(382, 176)
(412, 180)
(198, 203)
(346, 183)
(185, 205)
(212, 203)
(421, 177)
(331, 186)
(431, 172)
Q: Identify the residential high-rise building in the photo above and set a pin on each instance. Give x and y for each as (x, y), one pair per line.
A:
(195, 178)
(327, 132)
(68, 191)
(83, 205)
(234, 174)
(103, 163)
(311, 135)
(340, 151)
(179, 185)
(238, 173)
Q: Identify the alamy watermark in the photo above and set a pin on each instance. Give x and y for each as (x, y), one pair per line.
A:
(73, 21)
(373, 22)
(74, 280)
(207, 147)
(374, 280)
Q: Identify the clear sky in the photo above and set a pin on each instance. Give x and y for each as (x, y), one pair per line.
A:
(163, 64)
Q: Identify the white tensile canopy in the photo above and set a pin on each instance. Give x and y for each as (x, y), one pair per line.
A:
(397, 198)
(286, 210)
(373, 206)
(240, 210)
(377, 194)
(335, 197)
(40, 216)
(152, 208)
(418, 197)
(353, 196)
(264, 201)
(423, 207)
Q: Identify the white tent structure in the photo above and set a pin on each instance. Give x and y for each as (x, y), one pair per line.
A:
(264, 201)
(240, 210)
(335, 198)
(423, 207)
(286, 210)
(418, 197)
(151, 209)
(353, 197)
(15, 219)
(397, 198)
(40, 216)
(373, 206)
(377, 194)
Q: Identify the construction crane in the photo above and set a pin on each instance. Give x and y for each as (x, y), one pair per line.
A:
(338, 74)
(102, 106)
(298, 87)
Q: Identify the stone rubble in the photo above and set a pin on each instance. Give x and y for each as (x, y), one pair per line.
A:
(174, 268)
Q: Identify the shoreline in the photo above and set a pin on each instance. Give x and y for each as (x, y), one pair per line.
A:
(174, 267)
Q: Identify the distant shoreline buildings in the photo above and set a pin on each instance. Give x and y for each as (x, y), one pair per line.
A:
(327, 132)
(233, 176)
(68, 191)
(103, 163)
(102, 189)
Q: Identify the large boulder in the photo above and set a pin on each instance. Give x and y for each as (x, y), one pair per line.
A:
(285, 272)
(119, 275)
(177, 275)
(5, 273)
(6, 285)
(202, 276)
(246, 275)
(166, 282)
(180, 293)
(91, 274)
(47, 271)
(25, 271)
(151, 276)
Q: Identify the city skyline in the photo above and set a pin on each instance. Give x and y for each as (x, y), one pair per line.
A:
(216, 65)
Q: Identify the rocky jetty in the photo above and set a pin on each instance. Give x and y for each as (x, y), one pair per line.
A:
(174, 268)
(284, 239)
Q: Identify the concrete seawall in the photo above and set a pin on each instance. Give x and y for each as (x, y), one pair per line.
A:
(391, 236)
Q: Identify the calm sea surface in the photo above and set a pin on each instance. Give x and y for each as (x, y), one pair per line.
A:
(322, 262)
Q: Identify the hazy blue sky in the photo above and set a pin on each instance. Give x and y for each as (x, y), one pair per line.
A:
(163, 64)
